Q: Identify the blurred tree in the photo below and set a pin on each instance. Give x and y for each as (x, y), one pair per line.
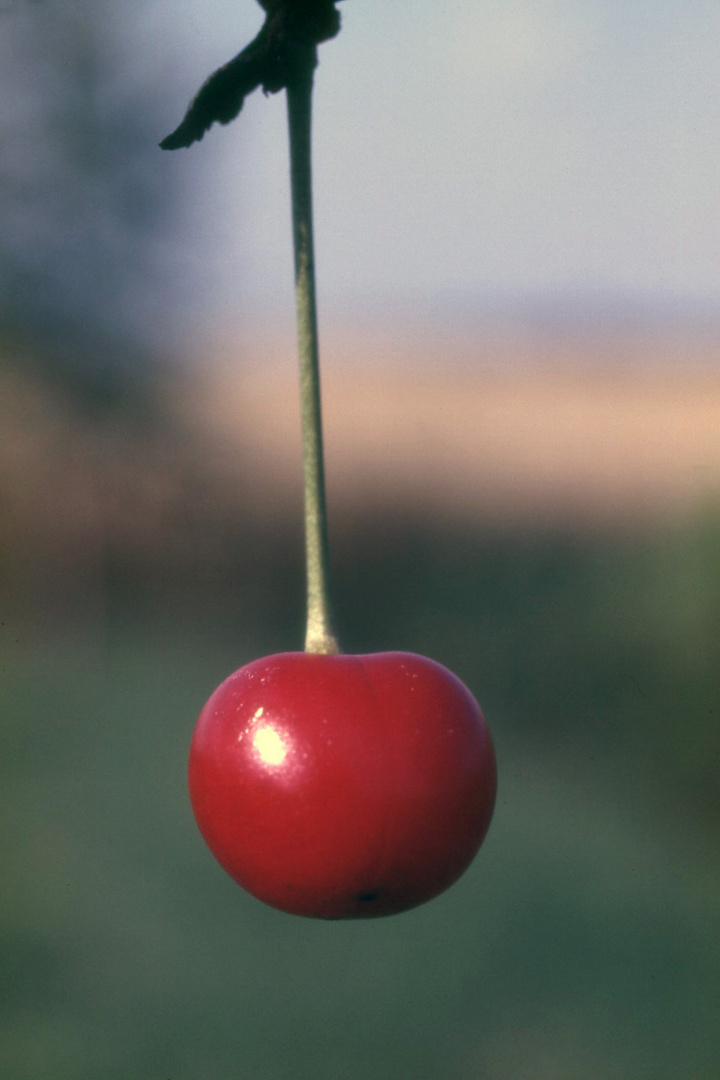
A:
(85, 198)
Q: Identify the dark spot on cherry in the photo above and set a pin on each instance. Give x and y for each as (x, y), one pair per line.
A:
(367, 897)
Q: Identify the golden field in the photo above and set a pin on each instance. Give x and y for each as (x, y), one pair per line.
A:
(531, 432)
(577, 432)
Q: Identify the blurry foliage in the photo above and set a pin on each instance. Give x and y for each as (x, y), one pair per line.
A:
(85, 198)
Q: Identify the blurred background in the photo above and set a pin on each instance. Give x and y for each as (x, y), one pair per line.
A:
(516, 208)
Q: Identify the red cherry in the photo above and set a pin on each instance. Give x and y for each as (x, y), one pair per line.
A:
(343, 786)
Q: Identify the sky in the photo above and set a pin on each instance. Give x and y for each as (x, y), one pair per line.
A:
(473, 151)
(472, 148)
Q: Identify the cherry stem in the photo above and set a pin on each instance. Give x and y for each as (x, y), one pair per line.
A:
(320, 635)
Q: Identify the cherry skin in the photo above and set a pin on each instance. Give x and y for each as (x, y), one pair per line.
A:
(343, 786)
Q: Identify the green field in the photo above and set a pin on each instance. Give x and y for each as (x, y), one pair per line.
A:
(583, 943)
